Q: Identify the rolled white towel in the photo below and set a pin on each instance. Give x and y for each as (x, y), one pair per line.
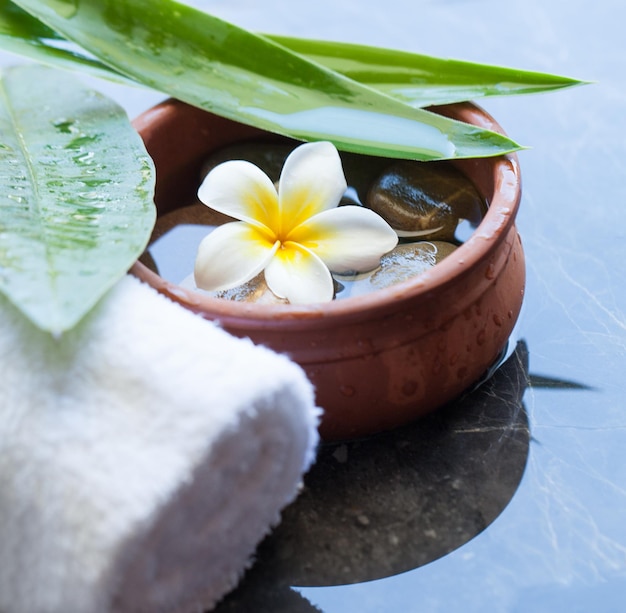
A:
(143, 455)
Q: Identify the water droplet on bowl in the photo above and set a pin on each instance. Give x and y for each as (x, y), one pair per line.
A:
(347, 390)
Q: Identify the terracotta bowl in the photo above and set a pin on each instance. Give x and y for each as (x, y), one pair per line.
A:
(384, 359)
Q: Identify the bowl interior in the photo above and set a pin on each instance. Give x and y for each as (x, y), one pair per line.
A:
(180, 137)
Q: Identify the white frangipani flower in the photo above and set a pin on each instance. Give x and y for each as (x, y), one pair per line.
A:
(296, 234)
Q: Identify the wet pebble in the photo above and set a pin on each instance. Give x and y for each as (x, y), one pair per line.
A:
(269, 158)
(405, 261)
(255, 290)
(421, 197)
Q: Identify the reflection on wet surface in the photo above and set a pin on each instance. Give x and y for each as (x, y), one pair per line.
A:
(380, 506)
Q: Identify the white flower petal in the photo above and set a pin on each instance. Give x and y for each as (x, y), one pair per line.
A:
(241, 190)
(230, 255)
(299, 275)
(311, 181)
(348, 238)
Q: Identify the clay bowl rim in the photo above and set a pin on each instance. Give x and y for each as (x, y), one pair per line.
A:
(485, 239)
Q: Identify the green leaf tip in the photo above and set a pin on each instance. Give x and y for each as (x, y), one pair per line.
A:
(422, 80)
(76, 204)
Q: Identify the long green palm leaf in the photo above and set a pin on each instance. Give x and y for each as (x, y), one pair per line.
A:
(217, 66)
(24, 35)
(421, 80)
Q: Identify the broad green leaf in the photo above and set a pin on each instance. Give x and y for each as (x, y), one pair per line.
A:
(217, 66)
(421, 80)
(76, 189)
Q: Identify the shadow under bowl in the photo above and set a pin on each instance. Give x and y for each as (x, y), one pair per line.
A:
(380, 360)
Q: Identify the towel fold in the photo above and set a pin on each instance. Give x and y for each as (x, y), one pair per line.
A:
(143, 456)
